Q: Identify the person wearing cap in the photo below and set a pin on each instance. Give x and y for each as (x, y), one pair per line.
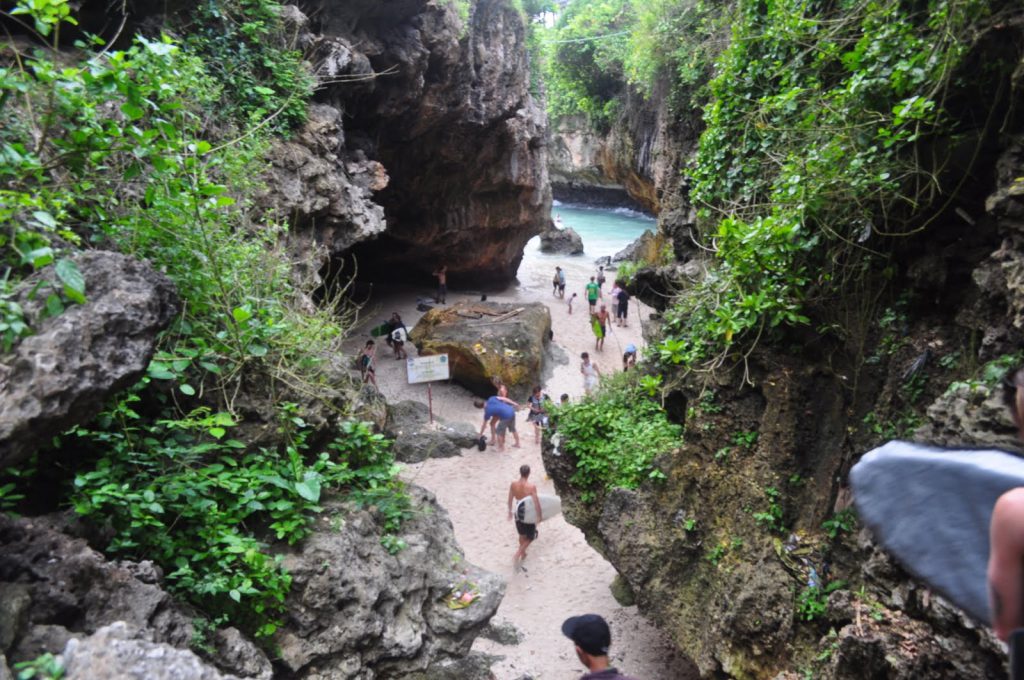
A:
(629, 357)
(592, 637)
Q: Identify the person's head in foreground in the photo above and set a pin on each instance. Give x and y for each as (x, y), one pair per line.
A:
(592, 637)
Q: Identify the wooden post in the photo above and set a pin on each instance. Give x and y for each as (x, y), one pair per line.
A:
(430, 404)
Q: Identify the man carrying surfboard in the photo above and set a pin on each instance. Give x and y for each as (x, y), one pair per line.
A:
(518, 490)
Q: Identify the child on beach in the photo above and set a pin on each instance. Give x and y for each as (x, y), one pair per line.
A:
(571, 298)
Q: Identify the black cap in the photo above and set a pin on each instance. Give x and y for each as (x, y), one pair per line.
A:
(590, 632)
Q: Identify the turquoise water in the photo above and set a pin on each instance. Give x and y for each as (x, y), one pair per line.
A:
(605, 231)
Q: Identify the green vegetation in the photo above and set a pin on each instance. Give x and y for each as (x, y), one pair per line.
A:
(771, 518)
(156, 151)
(45, 667)
(807, 168)
(812, 601)
(843, 521)
(601, 434)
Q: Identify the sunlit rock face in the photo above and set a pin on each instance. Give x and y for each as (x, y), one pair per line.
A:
(442, 103)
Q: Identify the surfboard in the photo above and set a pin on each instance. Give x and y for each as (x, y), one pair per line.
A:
(549, 505)
(399, 334)
(595, 323)
(380, 330)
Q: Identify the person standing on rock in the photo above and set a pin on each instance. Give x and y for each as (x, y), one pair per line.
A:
(442, 283)
(593, 292)
(591, 374)
(517, 491)
(592, 637)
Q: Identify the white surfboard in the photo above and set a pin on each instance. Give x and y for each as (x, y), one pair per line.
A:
(549, 505)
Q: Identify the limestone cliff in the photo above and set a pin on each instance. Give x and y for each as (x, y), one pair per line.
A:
(733, 552)
(441, 103)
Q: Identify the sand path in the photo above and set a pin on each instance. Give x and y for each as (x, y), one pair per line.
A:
(565, 576)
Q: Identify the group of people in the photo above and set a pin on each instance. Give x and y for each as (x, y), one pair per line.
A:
(600, 320)
(395, 333)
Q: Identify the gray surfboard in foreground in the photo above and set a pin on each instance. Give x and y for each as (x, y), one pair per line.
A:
(930, 508)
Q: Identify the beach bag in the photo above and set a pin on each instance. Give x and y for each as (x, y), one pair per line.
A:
(481, 443)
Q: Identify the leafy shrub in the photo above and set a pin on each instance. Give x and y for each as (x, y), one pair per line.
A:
(180, 493)
(615, 436)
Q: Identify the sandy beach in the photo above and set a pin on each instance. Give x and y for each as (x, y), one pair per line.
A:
(564, 576)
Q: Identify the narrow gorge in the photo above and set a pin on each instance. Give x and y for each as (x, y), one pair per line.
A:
(207, 206)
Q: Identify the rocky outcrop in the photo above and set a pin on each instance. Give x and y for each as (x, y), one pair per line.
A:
(114, 652)
(444, 106)
(564, 241)
(486, 340)
(325, 189)
(55, 588)
(63, 373)
(357, 610)
(416, 438)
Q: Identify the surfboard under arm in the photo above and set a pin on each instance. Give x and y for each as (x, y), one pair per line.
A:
(549, 505)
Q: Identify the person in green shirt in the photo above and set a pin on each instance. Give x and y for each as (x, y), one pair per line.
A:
(593, 292)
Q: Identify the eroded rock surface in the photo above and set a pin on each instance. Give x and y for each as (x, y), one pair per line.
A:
(113, 652)
(485, 340)
(416, 439)
(57, 588)
(564, 240)
(358, 611)
(444, 106)
(63, 373)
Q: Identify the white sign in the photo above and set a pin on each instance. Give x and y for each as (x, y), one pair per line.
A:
(427, 369)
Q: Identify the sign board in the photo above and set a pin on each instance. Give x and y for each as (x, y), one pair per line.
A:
(427, 369)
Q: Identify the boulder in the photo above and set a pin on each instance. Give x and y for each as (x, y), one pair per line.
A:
(565, 241)
(63, 373)
(75, 592)
(644, 249)
(358, 611)
(114, 652)
(416, 439)
(486, 340)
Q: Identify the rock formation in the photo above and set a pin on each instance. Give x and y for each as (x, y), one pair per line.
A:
(416, 439)
(443, 105)
(64, 372)
(55, 588)
(565, 241)
(485, 340)
(358, 611)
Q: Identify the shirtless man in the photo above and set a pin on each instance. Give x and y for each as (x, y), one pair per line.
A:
(602, 318)
(519, 489)
(442, 283)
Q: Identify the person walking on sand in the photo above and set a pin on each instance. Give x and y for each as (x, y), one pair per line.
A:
(592, 637)
(591, 374)
(600, 278)
(517, 491)
(442, 283)
(621, 316)
(615, 299)
(366, 364)
(397, 333)
(600, 322)
(593, 292)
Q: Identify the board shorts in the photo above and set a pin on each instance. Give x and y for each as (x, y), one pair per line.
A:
(506, 425)
(621, 312)
(524, 528)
